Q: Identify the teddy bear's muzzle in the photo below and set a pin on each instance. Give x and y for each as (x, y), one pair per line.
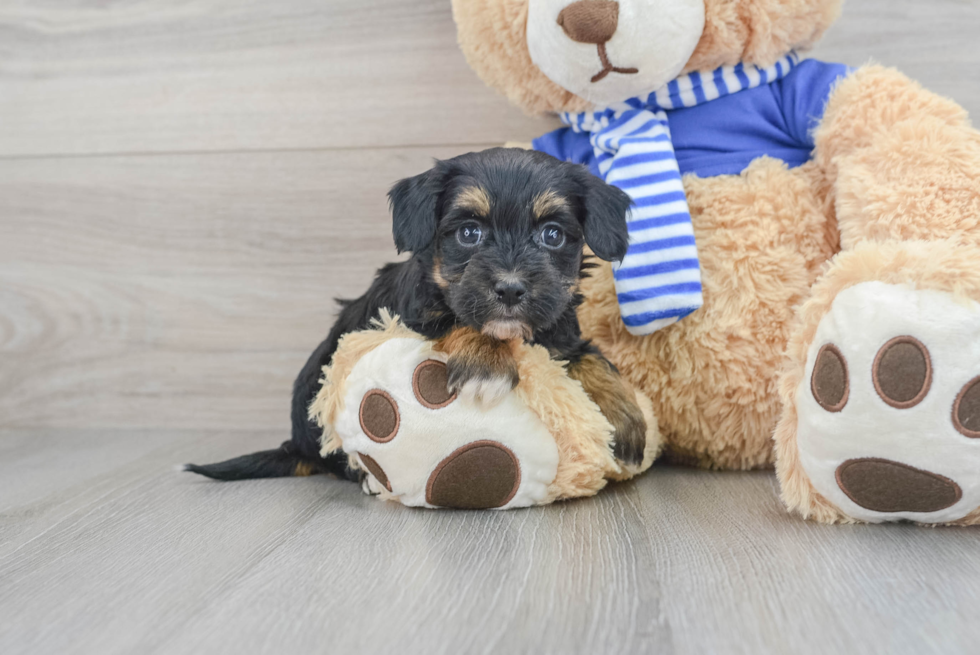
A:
(594, 22)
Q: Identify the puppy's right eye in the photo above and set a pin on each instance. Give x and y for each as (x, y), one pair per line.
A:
(469, 235)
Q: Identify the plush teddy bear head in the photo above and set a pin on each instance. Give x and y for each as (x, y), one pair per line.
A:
(560, 55)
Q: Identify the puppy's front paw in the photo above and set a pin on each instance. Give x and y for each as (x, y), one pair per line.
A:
(486, 393)
(482, 382)
(480, 368)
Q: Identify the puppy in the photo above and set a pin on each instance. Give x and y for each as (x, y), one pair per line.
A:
(496, 239)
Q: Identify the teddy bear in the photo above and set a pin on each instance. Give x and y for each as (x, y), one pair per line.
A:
(803, 282)
(384, 401)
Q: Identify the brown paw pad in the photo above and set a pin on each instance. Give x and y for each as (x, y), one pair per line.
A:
(902, 372)
(966, 409)
(479, 475)
(829, 383)
(882, 485)
(379, 416)
(431, 384)
(375, 469)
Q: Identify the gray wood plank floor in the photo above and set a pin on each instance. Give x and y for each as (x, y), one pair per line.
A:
(184, 187)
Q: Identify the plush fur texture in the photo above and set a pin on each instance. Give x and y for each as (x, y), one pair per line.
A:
(904, 166)
(879, 173)
(492, 36)
(583, 435)
(893, 161)
(904, 163)
(759, 31)
(892, 194)
(762, 237)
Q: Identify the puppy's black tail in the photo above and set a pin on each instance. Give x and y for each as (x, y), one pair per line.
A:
(283, 462)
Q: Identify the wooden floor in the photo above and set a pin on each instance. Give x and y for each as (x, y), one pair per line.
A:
(184, 187)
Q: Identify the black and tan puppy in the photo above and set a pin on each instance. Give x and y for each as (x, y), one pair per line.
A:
(496, 239)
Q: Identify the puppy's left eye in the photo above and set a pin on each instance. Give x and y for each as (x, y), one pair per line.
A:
(552, 236)
(469, 235)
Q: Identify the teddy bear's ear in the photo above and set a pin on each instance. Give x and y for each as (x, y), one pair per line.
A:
(414, 207)
(604, 223)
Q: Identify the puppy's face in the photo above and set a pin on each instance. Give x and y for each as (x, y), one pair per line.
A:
(503, 230)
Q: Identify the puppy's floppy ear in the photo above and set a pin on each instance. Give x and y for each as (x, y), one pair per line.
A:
(414, 205)
(604, 223)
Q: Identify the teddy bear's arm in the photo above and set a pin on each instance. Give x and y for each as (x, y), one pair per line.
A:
(900, 162)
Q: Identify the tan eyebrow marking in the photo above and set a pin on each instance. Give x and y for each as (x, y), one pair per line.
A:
(548, 203)
(475, 199)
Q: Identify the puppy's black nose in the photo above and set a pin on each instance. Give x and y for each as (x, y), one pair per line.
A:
(510, 293)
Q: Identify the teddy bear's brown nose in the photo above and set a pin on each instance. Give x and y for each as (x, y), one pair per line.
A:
(590, 21)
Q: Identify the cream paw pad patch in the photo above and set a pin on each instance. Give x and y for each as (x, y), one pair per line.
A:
(430, 448)
(889, 410)
(384, 401)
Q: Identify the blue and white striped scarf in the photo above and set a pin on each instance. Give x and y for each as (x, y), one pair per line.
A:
(659, 281)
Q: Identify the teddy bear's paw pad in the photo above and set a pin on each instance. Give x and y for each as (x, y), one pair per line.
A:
(884, 486)
(479, 475)
(374, 469)
(889, 410)
(430, 383)
(829, 382)
(902, 372)
(423, 445)
(966, 409)
(378, 416)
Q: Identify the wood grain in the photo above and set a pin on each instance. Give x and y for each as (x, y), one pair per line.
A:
(680, 561)
(83, 77)
(181, 290)
(184, 187)
(86, 76)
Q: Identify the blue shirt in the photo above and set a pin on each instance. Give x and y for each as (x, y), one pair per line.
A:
(723, 136)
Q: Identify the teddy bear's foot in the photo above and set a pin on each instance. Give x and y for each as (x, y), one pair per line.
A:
(424, 445)
(889, 406)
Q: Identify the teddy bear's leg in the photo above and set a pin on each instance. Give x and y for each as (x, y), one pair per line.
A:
(878, 415)
(386, 403)
(882, 397)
